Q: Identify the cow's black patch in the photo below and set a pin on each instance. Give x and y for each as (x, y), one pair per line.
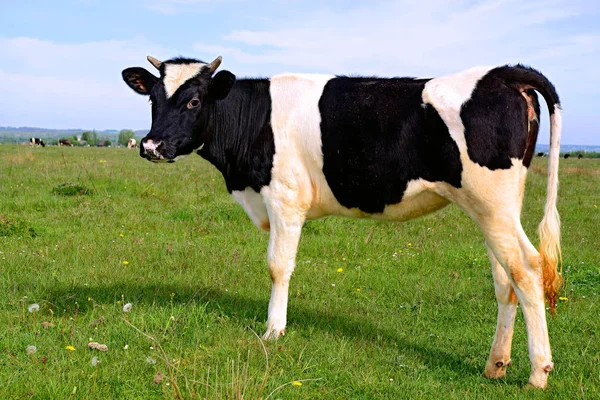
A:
(377, 136)
(238, 135)
(495, 121)
(495, 117)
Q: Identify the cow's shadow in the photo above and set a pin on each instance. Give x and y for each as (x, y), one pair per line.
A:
(238, 306)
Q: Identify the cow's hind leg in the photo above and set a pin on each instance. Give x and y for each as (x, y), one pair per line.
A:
(522, 263)
(507, 307)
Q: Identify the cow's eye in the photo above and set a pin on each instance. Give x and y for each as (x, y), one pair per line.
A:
(193, 103)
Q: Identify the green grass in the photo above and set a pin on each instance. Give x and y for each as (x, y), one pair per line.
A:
(171, 241)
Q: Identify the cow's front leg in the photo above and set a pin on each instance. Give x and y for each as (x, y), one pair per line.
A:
(286, 226)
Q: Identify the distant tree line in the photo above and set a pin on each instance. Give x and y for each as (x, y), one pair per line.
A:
(51, 137)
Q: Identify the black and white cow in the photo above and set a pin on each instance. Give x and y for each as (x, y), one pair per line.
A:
(36, 142)
(299, 146)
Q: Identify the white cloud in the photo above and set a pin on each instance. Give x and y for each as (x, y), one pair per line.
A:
(430, 38)
(72, 85)
(170, 7)
(392, 38)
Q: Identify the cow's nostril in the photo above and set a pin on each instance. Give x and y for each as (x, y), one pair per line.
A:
(151, 146)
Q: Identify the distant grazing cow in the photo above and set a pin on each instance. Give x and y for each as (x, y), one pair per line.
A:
(65, 142)
(540, 154)
(131, 144)
(301, 146)
(579, 156)
(567, 156)
(36, 142)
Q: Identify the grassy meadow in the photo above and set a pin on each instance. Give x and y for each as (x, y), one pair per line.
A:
(377, 310)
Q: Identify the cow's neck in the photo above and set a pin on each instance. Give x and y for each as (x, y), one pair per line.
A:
(241, 142)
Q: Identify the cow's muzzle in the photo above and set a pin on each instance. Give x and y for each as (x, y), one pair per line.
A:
(153, 150)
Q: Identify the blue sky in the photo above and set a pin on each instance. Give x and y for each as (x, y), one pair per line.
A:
(60, 61)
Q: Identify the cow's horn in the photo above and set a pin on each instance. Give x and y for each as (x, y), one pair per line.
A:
(215, 64)
(155, 62)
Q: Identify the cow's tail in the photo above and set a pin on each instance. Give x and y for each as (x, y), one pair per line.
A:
(524, 78)
(549, 228)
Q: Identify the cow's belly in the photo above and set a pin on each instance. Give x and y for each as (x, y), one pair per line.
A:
(418, 199)
(412, 207)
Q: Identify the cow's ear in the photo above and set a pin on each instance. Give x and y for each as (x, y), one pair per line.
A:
(221, 84)
(139, 79)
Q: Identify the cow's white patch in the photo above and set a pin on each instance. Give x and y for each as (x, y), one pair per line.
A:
(295, 119)
(447, 94)
(254, 205)
(177, 74)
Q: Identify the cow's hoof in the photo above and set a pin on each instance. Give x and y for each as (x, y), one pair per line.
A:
(496, 370)
(539, 377)
(273, 334)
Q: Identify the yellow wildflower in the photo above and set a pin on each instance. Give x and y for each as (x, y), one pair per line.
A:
(358, 289)
(409, 244)
(297, 383)
(125, 262)
(340, 270)
(564, 298)
(70, 348)
(121, 235)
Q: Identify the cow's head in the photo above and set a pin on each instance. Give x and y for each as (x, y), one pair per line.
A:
(179, 99)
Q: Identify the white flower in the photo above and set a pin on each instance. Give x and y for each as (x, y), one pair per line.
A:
(150, 360)
(30, 350)
(127, 307)
(33, 308)
(95, 361)
(125, 347)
